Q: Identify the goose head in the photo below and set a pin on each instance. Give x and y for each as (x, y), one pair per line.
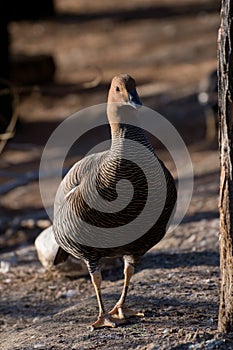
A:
(123, 100)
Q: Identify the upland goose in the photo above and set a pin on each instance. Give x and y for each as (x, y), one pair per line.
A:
(76, 221)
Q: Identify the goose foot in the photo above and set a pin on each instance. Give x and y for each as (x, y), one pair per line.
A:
(103, 321)
(122, 313)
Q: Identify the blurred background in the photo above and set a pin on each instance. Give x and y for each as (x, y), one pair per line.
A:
(59, 56)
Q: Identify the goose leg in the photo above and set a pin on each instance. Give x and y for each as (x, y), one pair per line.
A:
(104, 320)
(120, 311)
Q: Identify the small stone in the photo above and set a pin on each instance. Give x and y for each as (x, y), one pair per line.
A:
(69, 294)
(43, 224)
(7, 281)
(40, 346)
(29, 223)
(5, 267)
(52, 287)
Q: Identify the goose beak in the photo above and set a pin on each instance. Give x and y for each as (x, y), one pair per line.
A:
(134, 99)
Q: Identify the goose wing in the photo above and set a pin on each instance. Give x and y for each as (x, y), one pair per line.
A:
(73, 178)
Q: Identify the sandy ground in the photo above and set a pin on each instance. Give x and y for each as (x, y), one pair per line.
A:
(168, 49)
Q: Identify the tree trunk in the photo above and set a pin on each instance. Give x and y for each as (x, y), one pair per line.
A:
(225, 74)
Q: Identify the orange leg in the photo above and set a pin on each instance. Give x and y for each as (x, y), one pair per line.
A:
(120, 311)
(104, 320)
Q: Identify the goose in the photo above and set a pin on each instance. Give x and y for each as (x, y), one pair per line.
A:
(77, 223)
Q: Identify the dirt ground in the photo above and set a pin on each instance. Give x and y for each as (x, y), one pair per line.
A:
(168, 48)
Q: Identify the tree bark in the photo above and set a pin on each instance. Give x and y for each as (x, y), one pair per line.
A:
(225, 76)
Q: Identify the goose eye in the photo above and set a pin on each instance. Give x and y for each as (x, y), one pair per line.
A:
(117, 89)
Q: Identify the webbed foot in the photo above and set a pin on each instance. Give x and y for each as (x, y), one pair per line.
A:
(121, 313)
(103, 321)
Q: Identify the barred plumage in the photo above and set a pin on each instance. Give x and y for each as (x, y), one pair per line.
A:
(75, 220)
